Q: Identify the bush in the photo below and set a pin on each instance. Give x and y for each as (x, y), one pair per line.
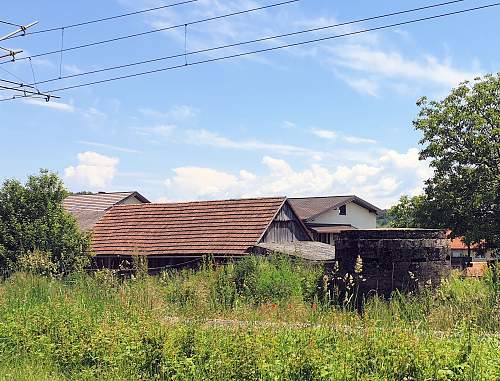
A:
(33, 221)
(37, 262)
(275, 279)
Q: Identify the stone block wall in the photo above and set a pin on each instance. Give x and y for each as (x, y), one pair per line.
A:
(402, 259)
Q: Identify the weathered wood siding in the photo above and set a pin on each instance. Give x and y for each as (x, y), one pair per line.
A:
(286, 227)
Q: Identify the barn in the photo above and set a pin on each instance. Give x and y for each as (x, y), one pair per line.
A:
(171, 234)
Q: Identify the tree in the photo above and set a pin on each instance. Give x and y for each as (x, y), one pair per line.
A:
(461, 138)
(34, 224)
(409, 212)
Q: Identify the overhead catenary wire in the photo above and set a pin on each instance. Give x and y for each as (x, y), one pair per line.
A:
(232, 45)
(106, 18)
(12, 75)
(10, 23)
(316, 40)
(156, 30)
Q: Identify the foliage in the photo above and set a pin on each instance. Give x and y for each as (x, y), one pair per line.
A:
(33, 224)
(409, 212)
(83, 328)
(37, 262)
(461, 138)
(273, 280)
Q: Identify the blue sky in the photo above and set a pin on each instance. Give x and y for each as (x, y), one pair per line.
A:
(327, 118)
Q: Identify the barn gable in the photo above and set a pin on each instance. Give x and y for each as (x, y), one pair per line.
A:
(286, 226)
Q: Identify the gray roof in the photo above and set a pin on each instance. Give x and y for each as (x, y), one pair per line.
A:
(87, 219)
(89, 208)
(309, 250)
(309, 207)
(98, 201)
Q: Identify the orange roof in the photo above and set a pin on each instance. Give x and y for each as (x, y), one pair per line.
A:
(457, 243)
(228, 227)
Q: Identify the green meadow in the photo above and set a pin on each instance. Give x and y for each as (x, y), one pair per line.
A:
(257, 319)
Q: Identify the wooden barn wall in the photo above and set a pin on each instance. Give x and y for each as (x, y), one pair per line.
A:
(286, 227)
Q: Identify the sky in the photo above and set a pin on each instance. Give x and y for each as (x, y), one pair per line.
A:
(329, 118)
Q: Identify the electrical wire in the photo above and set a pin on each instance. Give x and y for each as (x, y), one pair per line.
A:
(10, 23)
(12, 74)
(103, 19)
(207, 50)
(140, 34)
(277, 47)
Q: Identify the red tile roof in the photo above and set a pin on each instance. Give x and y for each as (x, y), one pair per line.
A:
(457, 243)
(228, 227)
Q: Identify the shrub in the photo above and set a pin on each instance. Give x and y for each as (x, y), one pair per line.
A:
(275, 279)
(37, 262)
(32, 218)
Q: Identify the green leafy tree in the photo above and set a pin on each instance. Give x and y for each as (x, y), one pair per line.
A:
(409, 212)
(33, 221)
(461, 138)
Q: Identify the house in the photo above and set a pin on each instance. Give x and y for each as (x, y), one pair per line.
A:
(172, 234)
(460, 249)
(90, 207)
(327, 216)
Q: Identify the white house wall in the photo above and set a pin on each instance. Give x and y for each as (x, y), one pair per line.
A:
(356, 216)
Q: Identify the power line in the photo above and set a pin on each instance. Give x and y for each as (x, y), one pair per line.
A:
(189, 53)
(11, 74)
(105, 18)
(278, 47)
(140, 34)
(10, 23)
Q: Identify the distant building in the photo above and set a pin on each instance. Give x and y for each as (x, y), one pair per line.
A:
(327, 216)
(460, 249)
(89, 208)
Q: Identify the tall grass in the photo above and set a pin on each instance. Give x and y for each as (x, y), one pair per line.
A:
(254, 320)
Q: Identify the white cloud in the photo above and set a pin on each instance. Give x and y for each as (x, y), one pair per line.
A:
(178, 113)
(358, 140)
(72, 69)
(393, 65)
(162, 130)
(364, 86)
(208, 138)
(196, 182)
(93, 170)
(109, 146)
(325, 134)
(382, 183)
(58, 106)
(332, 135)
(407, 161)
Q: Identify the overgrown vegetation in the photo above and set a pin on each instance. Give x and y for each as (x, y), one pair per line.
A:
(257, 319)
(36, 233)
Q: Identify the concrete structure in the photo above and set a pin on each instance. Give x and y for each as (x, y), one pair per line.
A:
(394, 259)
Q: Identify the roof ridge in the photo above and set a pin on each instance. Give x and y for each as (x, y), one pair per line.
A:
(305, 198)
(280, 198)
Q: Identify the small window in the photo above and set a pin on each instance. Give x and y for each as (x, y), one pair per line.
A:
(343, 210)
